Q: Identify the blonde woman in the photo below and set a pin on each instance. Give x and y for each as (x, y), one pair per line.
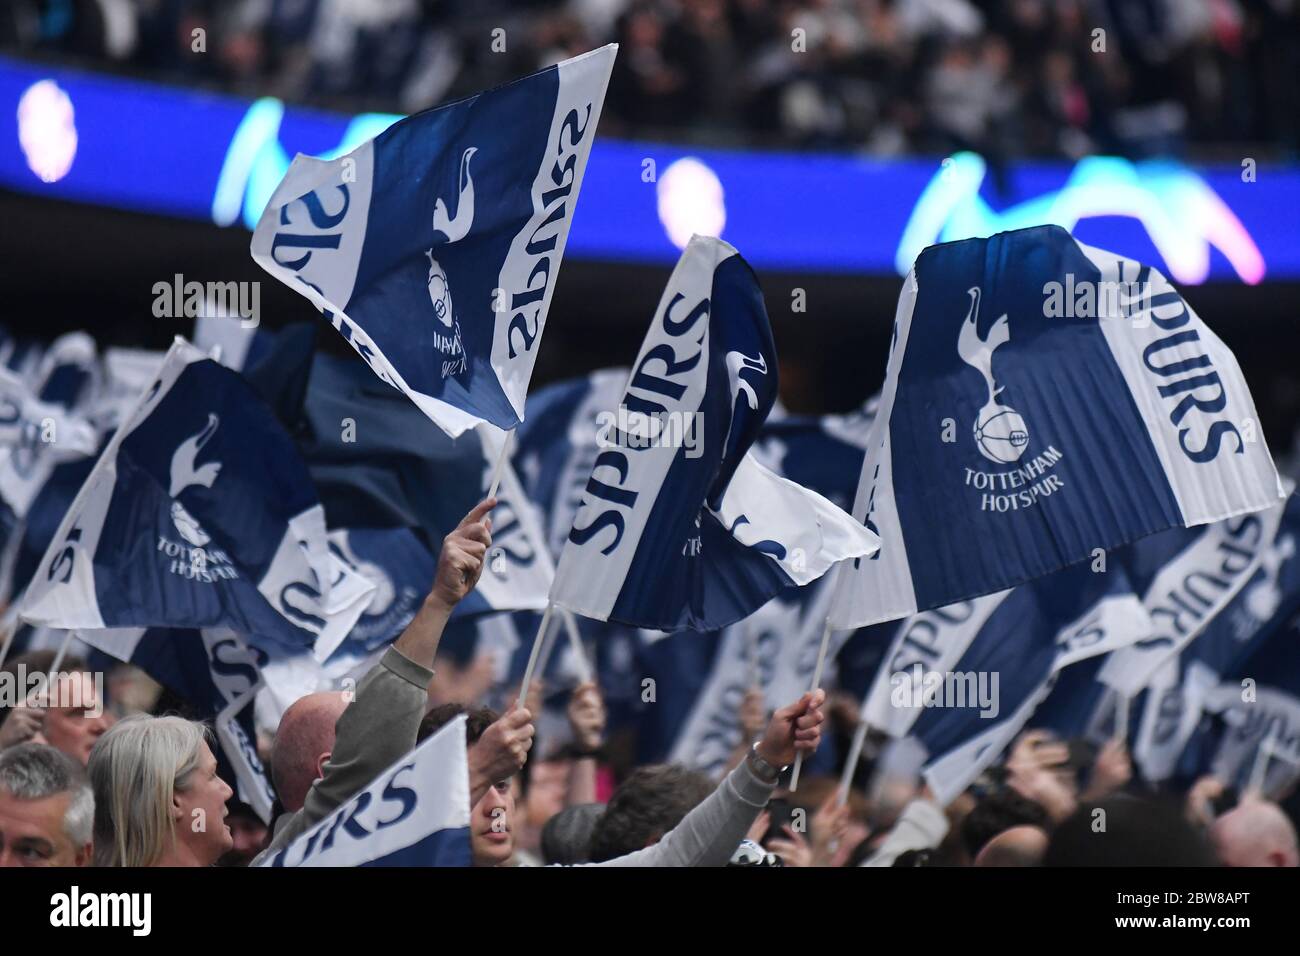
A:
(158, 799)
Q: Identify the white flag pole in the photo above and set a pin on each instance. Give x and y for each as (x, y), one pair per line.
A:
(500, 465)
(62, 653)
(1120, 733)
(1259, 768)
(575, 641)
(9, 624)
(751, 655)
(532, 656)
(816, 681)
(855, 754)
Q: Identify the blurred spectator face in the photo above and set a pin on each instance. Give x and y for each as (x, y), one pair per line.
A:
(32, 832)
(548, 785)
(249, 834)
(491, 841)
(74, 728)
(201, 810)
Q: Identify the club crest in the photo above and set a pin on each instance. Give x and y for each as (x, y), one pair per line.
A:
(1001, 435)
(446, 333)
(185, 474)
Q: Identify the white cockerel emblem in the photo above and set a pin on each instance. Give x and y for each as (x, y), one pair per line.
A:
(1000, 433)
(454, 228)
(185, 474)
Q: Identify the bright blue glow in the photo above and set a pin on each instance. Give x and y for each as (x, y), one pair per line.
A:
(190, 154)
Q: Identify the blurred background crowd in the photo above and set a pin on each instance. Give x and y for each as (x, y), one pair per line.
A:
(1059, 78)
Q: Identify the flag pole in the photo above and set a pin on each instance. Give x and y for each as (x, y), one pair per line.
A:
(816, 681)
(1259, 768)
(532, 656)
(500, 465)
(855, 754)
(1120, 733)
(62, 653)
(751, 655)
(575, 641)
(10, 626)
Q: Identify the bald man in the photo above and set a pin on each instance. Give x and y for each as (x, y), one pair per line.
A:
(1018, 846)
(1255, 833)
(303, 743)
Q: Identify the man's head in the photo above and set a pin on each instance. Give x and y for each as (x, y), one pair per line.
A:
(158, 797)
(1019, 846)
(1127, 831)
(46, 808)
(996, 813)
(74, 706)
(491, 838)
(303, 743)
(566, 837)
(1255, 833)
(650, 802)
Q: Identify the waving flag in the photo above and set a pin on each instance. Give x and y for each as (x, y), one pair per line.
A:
(556, 447)
(1181, 685)
(218, 675)
(416, 813)
(434, 247)
(679, 526)
(1043, 399)
(1186, 579)
(1038, 631)
(199, 513)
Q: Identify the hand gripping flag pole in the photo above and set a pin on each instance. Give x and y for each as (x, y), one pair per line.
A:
(817, 670)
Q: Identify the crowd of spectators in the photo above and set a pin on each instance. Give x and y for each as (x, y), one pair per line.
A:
(1005, 77)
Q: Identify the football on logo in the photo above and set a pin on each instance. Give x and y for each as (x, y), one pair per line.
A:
(1001, 434)
(189, 528)
(439, 291)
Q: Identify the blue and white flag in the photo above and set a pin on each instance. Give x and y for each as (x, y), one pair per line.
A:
(416, 813)
(1043, 399)
(680, 527)
(1178, 690)
(218, 675)
(556, 447)
(41, 425)
(434, 248)
(774, 649)
(970, 714)
(1187, 577)
(199, 513)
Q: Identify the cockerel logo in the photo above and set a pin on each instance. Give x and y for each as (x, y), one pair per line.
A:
(185, 474)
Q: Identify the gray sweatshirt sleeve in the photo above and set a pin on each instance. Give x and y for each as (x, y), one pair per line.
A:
(921, 826)
(709, 834)
(375, 731)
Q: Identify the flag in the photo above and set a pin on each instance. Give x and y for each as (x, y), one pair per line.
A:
(218, 675)
(556, 446)
(1186, 578)
(199, 513)
(1043, 400)
(679, 527)
(416, 813)
(434, 247)
(1038, 631)
(774, 649)
(1179, 686)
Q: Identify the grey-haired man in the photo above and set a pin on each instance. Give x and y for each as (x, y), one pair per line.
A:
(47, 810)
